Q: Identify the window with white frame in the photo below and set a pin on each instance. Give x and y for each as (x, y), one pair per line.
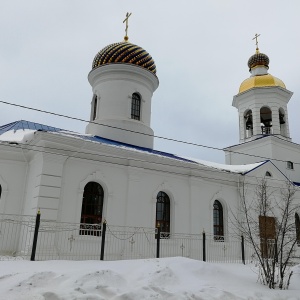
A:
(218, 223)
(136, 106)
(91, 211)
(163, 213)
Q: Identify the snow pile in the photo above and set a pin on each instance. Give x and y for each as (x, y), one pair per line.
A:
(168, 278)
(18, 136)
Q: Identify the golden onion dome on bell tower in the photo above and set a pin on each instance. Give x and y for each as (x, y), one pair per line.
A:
(259, 81)
(258, 65)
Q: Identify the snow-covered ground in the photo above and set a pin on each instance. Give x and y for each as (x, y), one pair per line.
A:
(166, 278)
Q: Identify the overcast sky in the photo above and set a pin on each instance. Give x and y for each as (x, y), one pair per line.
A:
(200, 48)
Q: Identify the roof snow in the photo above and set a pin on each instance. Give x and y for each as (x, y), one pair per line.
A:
(242, 169)
(17, 136)
(23, 131)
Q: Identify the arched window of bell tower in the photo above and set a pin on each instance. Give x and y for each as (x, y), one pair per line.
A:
(266, 120)
(282, 122)
(248, 123)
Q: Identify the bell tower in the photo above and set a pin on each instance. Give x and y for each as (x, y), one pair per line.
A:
(263, 121)
(262, 102)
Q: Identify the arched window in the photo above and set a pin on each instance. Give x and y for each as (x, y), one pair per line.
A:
(218, 221)
(248, 123)
(282, 122)
(92, 206)
(136, 106)
(268, 174)
(163, 213)
(95, 103)
(297, 223)
(266, 120)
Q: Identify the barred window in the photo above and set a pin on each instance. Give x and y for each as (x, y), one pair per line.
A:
(136, 106)
(218, 221)
(95, 102)
(163, 213)
(92, 206)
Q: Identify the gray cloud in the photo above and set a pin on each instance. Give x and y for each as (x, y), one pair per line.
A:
(200, 48)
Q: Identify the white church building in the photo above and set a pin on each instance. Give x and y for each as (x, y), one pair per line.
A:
(112, 173)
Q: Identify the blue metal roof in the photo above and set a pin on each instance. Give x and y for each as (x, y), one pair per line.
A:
(102, 140)
(22, 124)
(26, 125)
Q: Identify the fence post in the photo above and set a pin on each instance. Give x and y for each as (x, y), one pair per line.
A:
(276, 251)
(103, 232)
(36, 233)
(158, 242)
(204, 245)
(243, 250)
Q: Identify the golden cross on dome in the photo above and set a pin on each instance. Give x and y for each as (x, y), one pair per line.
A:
(256, 41)
(126, 28)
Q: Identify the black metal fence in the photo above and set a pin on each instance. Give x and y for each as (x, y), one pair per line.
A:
(27, 237)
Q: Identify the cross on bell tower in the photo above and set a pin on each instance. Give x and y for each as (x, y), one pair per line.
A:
(256, 42)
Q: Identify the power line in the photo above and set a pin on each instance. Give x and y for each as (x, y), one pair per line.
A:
(156, 136)
(31, 147)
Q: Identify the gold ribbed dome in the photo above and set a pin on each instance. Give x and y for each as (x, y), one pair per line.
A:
(260, 81)
(124, 52)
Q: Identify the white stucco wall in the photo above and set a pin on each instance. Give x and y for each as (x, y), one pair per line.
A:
(114, 85)
(131, 180)
(13, 175)
(130, 195)
(54, 183)
(277, 149)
